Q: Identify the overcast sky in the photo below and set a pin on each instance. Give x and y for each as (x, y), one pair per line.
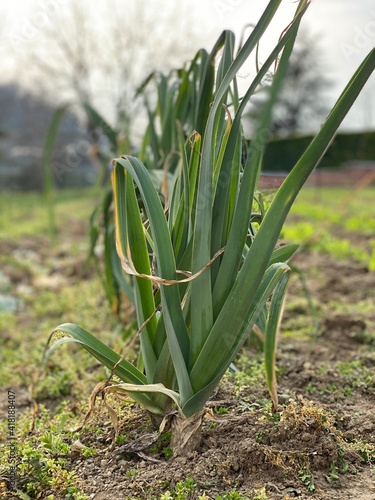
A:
(345, 30)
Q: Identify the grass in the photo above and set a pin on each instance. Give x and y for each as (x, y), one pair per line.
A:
(42, 457)
(334, 205)
(43, 452)
(24, 214)
(41, 313)
(322, 219)
(347, 378)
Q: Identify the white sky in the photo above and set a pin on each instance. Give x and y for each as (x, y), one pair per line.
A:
(345, 30)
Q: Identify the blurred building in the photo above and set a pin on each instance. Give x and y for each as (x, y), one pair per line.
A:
(24, 122)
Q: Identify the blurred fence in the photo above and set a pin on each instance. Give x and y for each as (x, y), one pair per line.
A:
(350, 174)
(282, 154)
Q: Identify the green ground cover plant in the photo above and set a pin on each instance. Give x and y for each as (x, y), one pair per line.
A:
(204, 267)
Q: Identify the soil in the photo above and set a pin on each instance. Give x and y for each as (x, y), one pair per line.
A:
(318, 445)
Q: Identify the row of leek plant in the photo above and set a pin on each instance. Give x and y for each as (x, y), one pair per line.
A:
(184, 96)
(202, 276)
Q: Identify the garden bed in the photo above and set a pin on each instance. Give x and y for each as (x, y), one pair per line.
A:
(318, 445)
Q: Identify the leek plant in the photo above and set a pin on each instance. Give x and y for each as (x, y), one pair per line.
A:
(205, 269)
(183, 95)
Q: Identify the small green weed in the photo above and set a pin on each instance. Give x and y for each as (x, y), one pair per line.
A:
(162, 445)
(333, 474)
(366, 451)
(337, 468)
(311, 389)
(54, 443)
(260, 437)
(131, 473)
(307, 479)
(182, 490)
(249, 376)
(89, 452)
(121, 439)
(259, 494)
(357, 374)
(185, 490)
(221, 410)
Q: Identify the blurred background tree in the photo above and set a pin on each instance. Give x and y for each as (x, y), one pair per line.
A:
(84, 53)
(99, 55)
(302, 103)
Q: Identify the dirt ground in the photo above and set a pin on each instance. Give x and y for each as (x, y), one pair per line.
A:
(320, 443)
(316, 442)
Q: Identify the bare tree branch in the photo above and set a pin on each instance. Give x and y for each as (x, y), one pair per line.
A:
(301, 103)
(100, 53)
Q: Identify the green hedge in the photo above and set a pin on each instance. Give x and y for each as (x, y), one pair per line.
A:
(282, 154)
